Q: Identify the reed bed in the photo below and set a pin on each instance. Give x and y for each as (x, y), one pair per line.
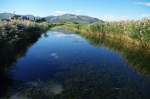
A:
(135, 32)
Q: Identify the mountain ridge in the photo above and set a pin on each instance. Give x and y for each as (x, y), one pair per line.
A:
(56, 19)
(72, 18)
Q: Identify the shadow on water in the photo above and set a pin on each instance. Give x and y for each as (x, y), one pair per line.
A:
(9, 54)
(5, 82)
(74, 68)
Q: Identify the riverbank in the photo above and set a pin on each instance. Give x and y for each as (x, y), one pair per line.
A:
(134, 46)
(16, 36)
(136, 32)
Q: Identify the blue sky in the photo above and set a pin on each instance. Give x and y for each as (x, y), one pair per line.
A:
(103, 9)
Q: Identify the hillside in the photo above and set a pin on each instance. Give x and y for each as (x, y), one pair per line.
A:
(6, 15)
(71, 18)
(56, 19)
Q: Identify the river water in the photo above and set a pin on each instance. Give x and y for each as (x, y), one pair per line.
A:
(66, 66)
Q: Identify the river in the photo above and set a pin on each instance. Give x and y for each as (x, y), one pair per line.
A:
(66, 66)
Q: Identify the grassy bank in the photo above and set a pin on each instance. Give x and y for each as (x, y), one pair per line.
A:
(16, 36)
(19, 29)
(136, 32)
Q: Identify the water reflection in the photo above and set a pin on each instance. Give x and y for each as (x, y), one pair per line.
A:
(9, 54)
(135, 56)
(66, 66)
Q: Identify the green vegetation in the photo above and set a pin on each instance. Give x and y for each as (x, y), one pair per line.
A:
(137, 32)
(17, 35)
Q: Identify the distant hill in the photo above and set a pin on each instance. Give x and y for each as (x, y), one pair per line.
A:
(72, 18)
(10, 15)
(56, 19)
(6, 15)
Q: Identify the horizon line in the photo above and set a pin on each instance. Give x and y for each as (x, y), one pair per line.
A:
(99, 17)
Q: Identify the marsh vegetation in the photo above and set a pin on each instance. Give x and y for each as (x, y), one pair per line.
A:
(136, 32)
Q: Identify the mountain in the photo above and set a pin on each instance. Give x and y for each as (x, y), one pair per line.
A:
(31, 17)
(71, 18)
(55, 19)
(10, 15)
(6, 15)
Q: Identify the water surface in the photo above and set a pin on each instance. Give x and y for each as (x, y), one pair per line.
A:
(67, 66)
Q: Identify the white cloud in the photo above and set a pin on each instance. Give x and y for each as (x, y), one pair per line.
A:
(147, 4)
